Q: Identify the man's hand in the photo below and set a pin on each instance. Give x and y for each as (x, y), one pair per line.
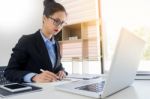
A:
(45, 76)
(61, 74)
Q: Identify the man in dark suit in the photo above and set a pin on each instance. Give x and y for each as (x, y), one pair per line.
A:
(36, 57)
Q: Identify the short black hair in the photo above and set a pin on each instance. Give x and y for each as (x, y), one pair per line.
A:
(50, 7)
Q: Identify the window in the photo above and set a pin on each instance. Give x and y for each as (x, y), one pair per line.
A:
(131, 14)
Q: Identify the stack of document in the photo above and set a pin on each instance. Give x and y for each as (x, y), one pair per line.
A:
(83, 76)
(74, 51)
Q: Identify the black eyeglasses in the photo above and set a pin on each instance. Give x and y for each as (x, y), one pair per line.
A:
(57, 22)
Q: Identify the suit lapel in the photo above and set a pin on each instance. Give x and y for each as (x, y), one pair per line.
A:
(43, 52)
(57, 54)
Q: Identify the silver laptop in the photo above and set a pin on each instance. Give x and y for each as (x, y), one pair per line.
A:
(122, 71)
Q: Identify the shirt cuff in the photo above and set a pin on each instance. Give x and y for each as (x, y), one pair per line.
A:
(27, 78)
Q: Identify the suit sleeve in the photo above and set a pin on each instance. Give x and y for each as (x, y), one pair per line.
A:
(60, 67)
(15, 69)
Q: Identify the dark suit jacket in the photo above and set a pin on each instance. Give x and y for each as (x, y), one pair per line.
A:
(30, 55)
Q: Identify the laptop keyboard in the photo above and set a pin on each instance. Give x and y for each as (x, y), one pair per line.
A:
(96, 87)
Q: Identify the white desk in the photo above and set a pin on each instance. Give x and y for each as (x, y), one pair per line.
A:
(140, 89)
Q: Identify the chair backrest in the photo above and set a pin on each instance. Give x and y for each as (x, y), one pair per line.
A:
(2, 78)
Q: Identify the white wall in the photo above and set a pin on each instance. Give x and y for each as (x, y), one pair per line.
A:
(17, 17)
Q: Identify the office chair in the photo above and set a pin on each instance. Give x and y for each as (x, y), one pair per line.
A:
(3, 80)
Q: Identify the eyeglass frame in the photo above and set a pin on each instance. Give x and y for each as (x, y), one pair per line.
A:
(57, 22)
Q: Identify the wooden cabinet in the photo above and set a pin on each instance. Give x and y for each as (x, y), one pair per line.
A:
(80, 10)
(79, 39)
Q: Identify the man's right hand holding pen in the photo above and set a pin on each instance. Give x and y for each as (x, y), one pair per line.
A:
(45, 76)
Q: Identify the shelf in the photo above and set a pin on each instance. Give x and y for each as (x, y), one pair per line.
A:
(90, 48)
(71, 49)
(72, 59)
(70, 41)
(89, 30)
(71, 32)
(84, 45)
(79, 37)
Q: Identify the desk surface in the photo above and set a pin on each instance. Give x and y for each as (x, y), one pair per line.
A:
(139, 90)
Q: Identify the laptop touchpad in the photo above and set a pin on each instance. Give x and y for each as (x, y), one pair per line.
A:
(96, 87)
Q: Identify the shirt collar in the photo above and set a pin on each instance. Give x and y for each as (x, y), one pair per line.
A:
(46, 39)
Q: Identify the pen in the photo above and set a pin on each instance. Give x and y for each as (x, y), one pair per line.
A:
(64, 79)
(42, 70)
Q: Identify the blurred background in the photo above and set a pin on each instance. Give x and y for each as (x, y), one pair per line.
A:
(88, 40)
